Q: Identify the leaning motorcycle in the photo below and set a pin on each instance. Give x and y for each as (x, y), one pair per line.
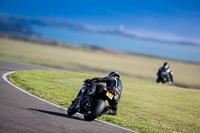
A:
(164, 78)
(90, 107)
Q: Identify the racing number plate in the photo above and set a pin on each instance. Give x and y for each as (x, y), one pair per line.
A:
(109, 95)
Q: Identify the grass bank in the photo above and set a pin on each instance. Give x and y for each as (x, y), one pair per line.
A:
(96, 61)
(144, 106)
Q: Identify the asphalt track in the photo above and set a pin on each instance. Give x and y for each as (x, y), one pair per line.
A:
(22, 113)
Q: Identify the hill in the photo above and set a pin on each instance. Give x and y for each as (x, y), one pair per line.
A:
(95, 60)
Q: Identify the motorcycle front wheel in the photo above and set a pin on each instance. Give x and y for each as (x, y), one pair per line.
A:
(96, 110)
(72, 109)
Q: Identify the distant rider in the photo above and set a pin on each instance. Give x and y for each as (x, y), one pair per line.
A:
(113, 84)
(165, 74)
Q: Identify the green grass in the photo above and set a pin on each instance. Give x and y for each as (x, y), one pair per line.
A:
(144, 106)
(90, 61)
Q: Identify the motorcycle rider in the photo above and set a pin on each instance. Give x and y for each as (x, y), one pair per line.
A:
(169, 74)
(113, 84)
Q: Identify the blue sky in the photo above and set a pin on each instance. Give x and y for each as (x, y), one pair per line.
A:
(162, 18)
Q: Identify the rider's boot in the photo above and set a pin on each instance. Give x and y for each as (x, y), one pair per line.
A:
(109, 111)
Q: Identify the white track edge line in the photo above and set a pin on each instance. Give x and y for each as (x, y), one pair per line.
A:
(4, 76)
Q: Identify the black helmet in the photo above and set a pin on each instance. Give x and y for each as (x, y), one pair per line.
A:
(166, 65)
(112, 74)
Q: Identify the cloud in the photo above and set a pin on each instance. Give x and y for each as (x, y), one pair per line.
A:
(144, 34)
(162, 36)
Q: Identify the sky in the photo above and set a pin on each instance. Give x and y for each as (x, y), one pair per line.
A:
(155, 18)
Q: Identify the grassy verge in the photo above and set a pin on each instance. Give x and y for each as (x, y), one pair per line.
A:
(144, 106)
(96, 61)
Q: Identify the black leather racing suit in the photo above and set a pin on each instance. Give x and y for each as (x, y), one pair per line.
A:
(113, 83)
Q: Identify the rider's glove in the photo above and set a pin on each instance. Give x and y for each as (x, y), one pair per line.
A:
(88, 81)
(95, 80)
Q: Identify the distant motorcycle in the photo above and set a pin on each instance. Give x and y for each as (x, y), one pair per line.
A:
(164, 78)
(90, 107)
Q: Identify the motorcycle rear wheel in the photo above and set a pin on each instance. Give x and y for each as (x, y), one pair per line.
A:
(95, 111)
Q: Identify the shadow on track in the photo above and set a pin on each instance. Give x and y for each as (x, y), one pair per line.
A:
(57, 114)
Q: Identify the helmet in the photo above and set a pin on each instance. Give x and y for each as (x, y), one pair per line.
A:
(112, 74)
(166, 65)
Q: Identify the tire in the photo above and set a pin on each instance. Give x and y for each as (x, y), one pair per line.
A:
(95, 111)
(72, 110)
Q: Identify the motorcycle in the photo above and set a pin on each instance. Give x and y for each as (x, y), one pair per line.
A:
(164, 78)
(90, 107)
